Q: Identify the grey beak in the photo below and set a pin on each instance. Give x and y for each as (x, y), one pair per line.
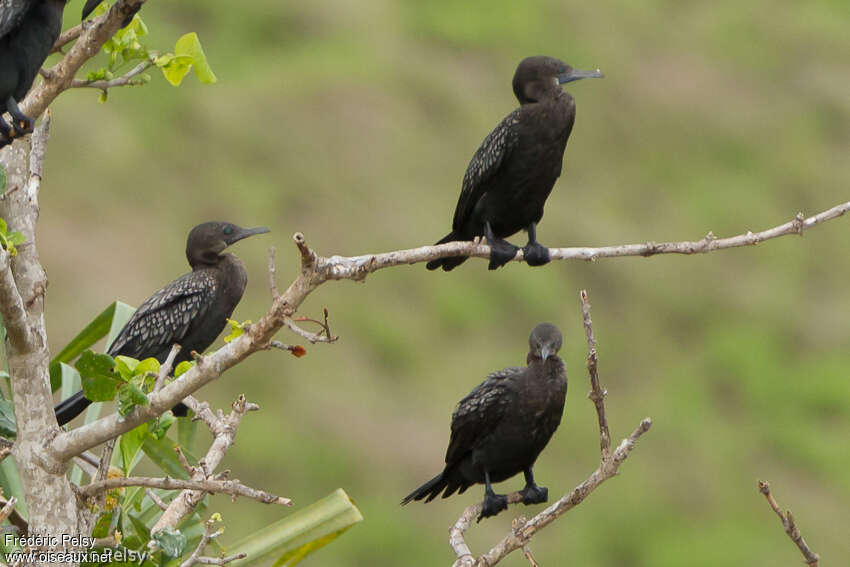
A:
(576, 74)
(245, 233)
(545, 352)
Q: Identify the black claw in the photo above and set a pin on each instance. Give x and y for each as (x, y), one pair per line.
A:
(536, 254)
(501, 253)
(492, 505)
(533, 494)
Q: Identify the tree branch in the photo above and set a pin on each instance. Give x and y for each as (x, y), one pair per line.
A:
(223, 429)
(127, 79)
(92, 36)
(209, 534)
(211, 485)
(316, 270)
(522, 531)
(789, 526)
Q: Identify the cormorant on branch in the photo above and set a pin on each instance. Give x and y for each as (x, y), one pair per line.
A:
(512, 173)
(500, 428)
(28, 31)
(190, 311)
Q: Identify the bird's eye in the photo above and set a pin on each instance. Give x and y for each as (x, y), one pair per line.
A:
(228, 230)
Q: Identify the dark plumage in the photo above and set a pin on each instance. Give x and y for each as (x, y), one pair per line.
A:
(512, 173)
(190, 311)
(28, 30)
(500, 428)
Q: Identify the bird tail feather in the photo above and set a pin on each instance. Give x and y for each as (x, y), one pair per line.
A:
(430, 489)
(451, 262)
(67, 410)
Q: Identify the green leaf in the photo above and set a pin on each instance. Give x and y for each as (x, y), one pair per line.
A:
(129, 446)
(236, 329)
(162, 453)
(177, 68)
(162, 424)
(130, 396)
(102, 525)
(125, 366)
(98, 376)
(2, 178)
(10, 481)
(110, 322)
(148, 365)
(8, 428)
(294, 537)
(190, 45)
(172, 542)
(183, 367)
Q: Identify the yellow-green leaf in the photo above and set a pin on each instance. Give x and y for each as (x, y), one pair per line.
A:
(190, 45)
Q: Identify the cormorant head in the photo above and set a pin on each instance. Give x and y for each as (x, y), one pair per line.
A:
(545, 341)
(539, 76)
(208, 240)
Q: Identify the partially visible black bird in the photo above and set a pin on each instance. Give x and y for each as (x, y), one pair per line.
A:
(512, 173)
(190, 311)
(28, 30)
(500, 428)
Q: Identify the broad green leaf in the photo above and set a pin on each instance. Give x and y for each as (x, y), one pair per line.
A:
(102, 525)
(98, 377)
(294, 537)
(125, 366)
(187, 429)
(147, 365)
(10, 481)
(162, 453)
(176, 69)
(160, 426)
(172, 542)
(183, 367)
(8, 428)
(130, 445)
(190, 45)
(130, 396)
(236, 329)
(2, 178)
(109, 321)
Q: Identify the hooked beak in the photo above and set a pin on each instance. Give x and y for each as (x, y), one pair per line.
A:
(545, 352)
(243, 233)
(576, 74)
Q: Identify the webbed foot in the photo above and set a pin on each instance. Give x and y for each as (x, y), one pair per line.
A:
(533, 494)
(535, 254)
(492, 505)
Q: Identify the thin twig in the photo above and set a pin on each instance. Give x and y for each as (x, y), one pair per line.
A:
(105, 460)
(522, 531)
(596, 394)
(789, 526)
(295, 350)
(273, 274)
(67, 37)
(211, 485)
(323, 337)
(7, 509)
(160, 503)
(165, 368)
(209, 534)
(126, 80)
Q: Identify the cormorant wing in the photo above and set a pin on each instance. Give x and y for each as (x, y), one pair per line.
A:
(479, 412)
(165, 317)
(11, 14)
(486, 161)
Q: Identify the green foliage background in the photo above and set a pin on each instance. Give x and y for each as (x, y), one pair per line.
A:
(354, 121)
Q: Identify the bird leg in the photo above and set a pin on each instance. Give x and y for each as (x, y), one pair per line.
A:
(7, 134)
(501, 251)
(533, 494)
(535, 254)
(493, 503)
(22, 123)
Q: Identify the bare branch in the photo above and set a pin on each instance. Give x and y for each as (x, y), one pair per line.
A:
(15, 518)
(789, 526)
(7, 509)
(160, 503)
(522, 531)
(224, 430)
(323, 337)
(128, 79)
(66, 37)
(273, 274)
(165, 368)
(316, 270)
(196, 557)
(105, 459)
(597, 394)
(211, 485)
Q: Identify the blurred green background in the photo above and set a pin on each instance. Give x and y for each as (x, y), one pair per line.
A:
(354, 121)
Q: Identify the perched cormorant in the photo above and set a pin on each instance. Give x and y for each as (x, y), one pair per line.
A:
(190, 311)
(512, 173)
(500, 428)
(28, 30)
